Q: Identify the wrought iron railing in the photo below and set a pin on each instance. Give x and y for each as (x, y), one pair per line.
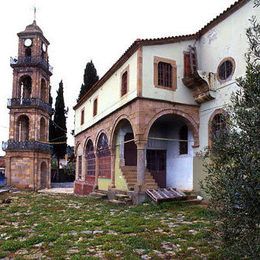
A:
(12, 145)
(32, 61)
(29, 102)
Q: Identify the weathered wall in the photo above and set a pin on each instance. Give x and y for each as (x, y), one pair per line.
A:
(109, 96)
(227, 39)
(173, 51)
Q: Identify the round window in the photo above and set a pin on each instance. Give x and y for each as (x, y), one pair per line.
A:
(226, 69)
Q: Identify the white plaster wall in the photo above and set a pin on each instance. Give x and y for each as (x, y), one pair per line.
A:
(109, 96)
(173, 51)
(227, 39)
(179, 168)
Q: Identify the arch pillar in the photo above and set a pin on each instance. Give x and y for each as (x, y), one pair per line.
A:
(141, 163)
(96, 170)
(113, 163)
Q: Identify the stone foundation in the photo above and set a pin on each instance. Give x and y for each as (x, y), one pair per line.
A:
(24, 170)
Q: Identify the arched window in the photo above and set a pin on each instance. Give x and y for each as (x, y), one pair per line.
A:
(22, 129)
(42, 129)
(218, 125)
(25, 87)
(183, 136)
(90, 157)
(44, 176)
(43, 90)
(104, 157)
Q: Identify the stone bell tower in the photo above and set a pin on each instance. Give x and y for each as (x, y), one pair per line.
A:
(28, 156)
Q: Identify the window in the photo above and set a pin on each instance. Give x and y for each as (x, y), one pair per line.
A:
(80, 167)
(124, 83)
(90, 157)
(183, 135)
(226, 69)
(82, 116)
(104, 157)
(187, 65)
(165, 73)
(218, 125)
(95, 104)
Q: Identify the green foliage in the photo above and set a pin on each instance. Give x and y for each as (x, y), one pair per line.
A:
(63, 226)
(233, 163)
(60, 129)
(89, 79)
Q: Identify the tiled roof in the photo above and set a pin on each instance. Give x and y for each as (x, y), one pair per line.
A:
(165, 40)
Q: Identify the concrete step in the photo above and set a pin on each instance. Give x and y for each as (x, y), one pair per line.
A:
(192, 201)
(117, 202)
(128, 168)
(122, 197)
(98, 195)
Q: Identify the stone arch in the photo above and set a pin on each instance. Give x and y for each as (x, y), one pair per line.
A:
(43, 175)
(104, 156)
(43, 129)
(123, 133)
(90, 157)
(25, 86)
(102, 131)
(186, 118)
(115, 125)
(23, 128)
(44, 92)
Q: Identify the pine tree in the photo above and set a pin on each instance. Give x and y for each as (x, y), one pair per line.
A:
(60, 129)
(89, 79)
(233, 163)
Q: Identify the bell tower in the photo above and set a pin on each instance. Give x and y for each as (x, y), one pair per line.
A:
(28, 156)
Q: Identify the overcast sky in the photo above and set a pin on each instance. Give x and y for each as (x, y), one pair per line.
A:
(101, 30)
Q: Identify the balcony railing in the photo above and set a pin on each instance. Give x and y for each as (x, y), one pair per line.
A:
(31, 61)
(29, 102)
(12, 145)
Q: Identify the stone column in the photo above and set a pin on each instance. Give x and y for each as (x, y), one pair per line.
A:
(141, 161)
(96, 171)
(113, 163)
(121, 148)
(84, 167)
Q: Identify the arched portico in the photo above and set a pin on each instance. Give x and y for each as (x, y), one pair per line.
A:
(169, 150)
(124, 154)
(189, 121)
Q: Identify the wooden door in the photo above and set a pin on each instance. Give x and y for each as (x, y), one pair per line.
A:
(156, 164)
(130, 152)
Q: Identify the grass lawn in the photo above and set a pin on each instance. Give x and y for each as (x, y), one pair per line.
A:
(37, 226)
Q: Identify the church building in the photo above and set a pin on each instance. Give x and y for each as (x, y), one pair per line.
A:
(144, 123)
(28, 159)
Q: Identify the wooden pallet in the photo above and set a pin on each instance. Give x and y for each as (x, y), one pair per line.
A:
(165, 194)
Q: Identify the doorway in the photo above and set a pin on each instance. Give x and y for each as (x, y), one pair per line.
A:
(156, 164)
(130, 152)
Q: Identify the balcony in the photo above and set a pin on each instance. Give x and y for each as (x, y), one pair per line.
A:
(37, 146)
(29, 102)
(31, 61)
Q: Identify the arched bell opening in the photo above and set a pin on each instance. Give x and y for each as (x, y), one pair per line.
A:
(43, 176)
(43, 130)
(44, 92)
(22, 128)
(25, 87)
